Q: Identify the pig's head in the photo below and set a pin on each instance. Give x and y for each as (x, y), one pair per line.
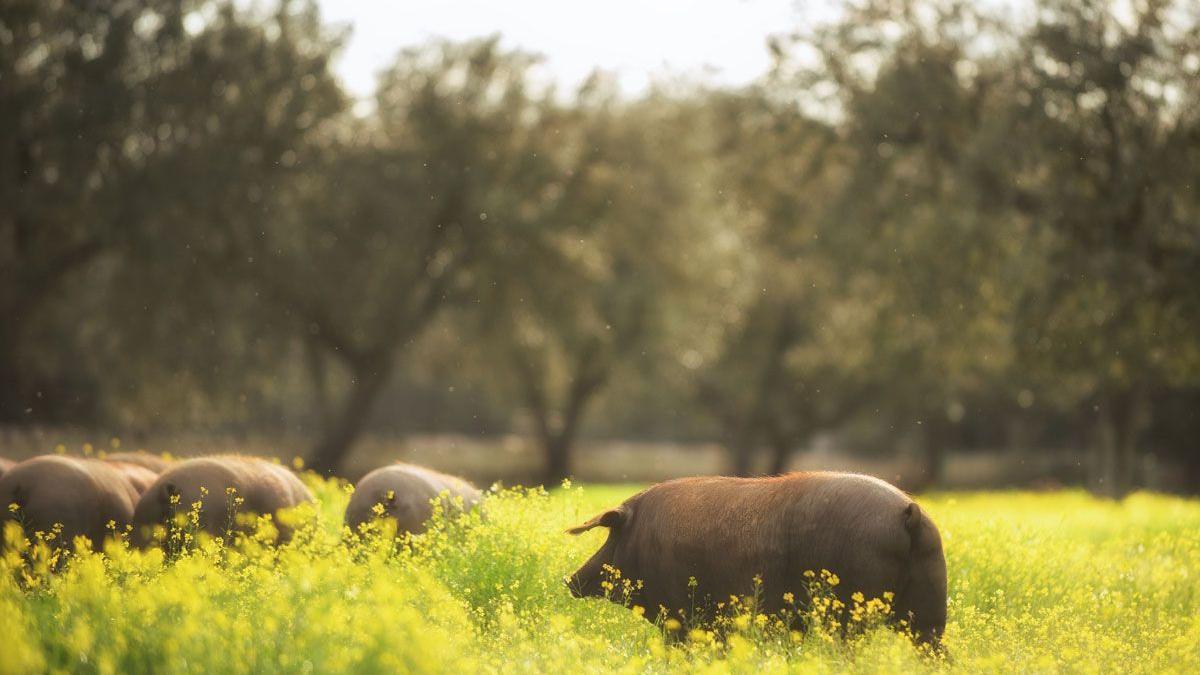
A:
(587, 579)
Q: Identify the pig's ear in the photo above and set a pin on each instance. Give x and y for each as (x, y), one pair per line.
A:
(610, 519)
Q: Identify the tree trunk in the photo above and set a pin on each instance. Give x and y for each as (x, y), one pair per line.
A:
(346, 426)
(781, 451)
(1134, 420)
(1105, 447)
(557, 452)
(559, 444)
(938, 437)
(319, 374)
(30, 289)
(1123, 418)
(742, 454)
(12, 389)
(1191, 473)
(557, 433)
(1127, 475)
(935, 462)
(745, 436)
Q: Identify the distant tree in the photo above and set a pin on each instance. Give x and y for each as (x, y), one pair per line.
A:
(1109, 106)
(778, 169)
(134, 131)
(940, 243)
(69, 78)
(386, 224)
(888, 252)
(245, 115)
(623, 265)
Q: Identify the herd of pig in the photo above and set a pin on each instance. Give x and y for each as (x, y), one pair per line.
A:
(91, 497)
(692, 542)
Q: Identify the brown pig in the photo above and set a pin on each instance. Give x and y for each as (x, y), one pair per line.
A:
(83, 495)
(258, 487)
(140, 468)
(140, 458)
(723, 532)
(404, 493)
(138, 476)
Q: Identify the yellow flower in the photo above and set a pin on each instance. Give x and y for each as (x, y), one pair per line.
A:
(14, 507)
(789, 598)
(857, 596)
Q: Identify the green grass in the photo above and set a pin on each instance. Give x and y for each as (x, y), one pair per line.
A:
(1038, 582)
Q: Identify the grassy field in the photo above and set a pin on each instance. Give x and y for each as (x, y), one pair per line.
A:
(1038, 583)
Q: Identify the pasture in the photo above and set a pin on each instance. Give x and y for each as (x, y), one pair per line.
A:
(1039, 582)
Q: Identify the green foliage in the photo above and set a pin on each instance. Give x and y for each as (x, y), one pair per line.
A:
(1114, 96)
(619, 265)
(939, 267)
(927, 227)
(137, 134)
(1040, 582)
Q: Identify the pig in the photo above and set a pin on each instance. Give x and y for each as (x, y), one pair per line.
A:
(405, 493)
(263, 487)
(723, 532)
(138, 476)
(84, 495)
(141, 458)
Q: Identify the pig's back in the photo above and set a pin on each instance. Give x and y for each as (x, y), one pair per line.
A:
(80, 494)
(726, 531)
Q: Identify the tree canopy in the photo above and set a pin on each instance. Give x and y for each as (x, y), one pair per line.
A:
(928, 227)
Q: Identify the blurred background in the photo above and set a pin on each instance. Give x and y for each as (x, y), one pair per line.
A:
(949, 243)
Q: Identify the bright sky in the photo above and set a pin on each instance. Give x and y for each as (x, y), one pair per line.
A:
(634, 39)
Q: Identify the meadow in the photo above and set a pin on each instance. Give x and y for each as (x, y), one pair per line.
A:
(1039, 582)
